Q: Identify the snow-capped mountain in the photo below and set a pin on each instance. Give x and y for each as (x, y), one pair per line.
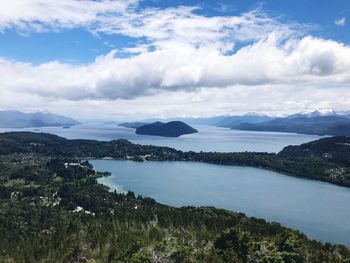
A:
(316, 113)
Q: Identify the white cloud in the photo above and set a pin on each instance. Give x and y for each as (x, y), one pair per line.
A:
(163, 28)
(275, 99)
(45, 15)
(296, 62)
(178, 27)
(340, 22)
(186, 61)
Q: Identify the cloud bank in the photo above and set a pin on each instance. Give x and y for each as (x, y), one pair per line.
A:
(176, 51)
(303, 62)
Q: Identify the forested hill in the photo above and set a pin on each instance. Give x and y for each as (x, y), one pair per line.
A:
(326, 159)
(29, 142)
(335, 149)
(53, 210)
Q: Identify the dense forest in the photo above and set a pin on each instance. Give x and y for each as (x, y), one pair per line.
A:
(53, 210)
(325, 159)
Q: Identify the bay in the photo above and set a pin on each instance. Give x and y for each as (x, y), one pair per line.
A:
(318, 209)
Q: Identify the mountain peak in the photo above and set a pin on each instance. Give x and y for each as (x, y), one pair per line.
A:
(316, 113)
(322, 112)
(254, 114)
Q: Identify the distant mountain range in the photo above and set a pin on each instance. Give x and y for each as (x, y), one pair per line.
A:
(318, 123)
(133, 125)
(317, 113)
(231, 121)
(17, 119)
(322, 122)
(222, 120)
(170, 129)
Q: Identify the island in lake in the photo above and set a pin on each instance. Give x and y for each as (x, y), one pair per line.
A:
(169, 129)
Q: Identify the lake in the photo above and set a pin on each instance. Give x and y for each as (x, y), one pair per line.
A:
(209, 138)
(318, 209)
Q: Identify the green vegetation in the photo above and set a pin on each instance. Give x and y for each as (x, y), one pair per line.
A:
(59, 213)
(53, 210)
(326, 159)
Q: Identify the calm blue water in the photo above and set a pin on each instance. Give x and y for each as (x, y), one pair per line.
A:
(318, 209)
(209, 138)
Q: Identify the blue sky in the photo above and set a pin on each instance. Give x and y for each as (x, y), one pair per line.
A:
(119, 58)
(80, 46)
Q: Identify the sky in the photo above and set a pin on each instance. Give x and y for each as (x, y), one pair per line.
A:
(137, 59)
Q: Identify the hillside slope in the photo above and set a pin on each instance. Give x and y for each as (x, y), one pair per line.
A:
(53, 212)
